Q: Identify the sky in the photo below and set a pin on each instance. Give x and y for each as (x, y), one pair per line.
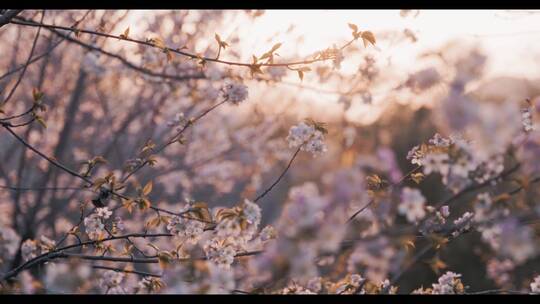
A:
(510, 39)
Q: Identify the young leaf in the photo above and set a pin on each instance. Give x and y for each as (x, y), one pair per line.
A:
(41, 121)
(151, 160)
(417, 177)
(368, 36)
(99, 160)
(409, 244)
(153, 222)
(154, 246)
(125, 34)
(36, 94)
(170, 55)
(437, 264)
(221, 43)
(158, 42)
(128, 204)
(275, 47)
(164, 259)
(255, 69)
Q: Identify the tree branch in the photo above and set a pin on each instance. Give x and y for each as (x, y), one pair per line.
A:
(190, 55)
(280, 176)
(7, 16)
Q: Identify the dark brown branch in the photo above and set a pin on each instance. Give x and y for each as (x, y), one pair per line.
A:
(124, 61)
(50, 160)
(27, 61)
(373, 200)
(136, 260)
(280, 176)
(413, 261)
(51, 255)
(518, 189)
(60, 253)
(360, 211)
(473, 188)
(17, 115)
(174, 138)
(496, 291)
(141, 273)
(7, 16)
(44, 54)
(43, 188)
(192, 56)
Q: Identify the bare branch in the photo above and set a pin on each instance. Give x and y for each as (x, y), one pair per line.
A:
(7, 16)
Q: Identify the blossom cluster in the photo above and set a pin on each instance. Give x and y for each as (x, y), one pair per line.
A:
(448, 283)
(95, 223)
(235, 92)
(236, 227)
(361, 221)
(9, 242)
(535, 285)
(111, 282)
(307, 137)
(456, 160)
(32, 248)
(412, 204)
(186, 228)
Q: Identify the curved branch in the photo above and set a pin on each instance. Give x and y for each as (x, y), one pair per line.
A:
(373, 200)
(141, 273)
(473, 188)
(10, 14)
(280, 176)
(27, 62)
(43, 188)
(186, 54)
(124, 61)
(50, 160)
(44, 54)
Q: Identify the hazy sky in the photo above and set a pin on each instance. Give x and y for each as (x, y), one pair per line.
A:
(510, 39)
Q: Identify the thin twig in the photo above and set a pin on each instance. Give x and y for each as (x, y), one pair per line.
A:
(44, 54)
(190, 55)
(280, 176)
(142, 273)
(50, 160)
(373, 200)
(44, 188)
(478, 186)
(27, 62)
(7, 16)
